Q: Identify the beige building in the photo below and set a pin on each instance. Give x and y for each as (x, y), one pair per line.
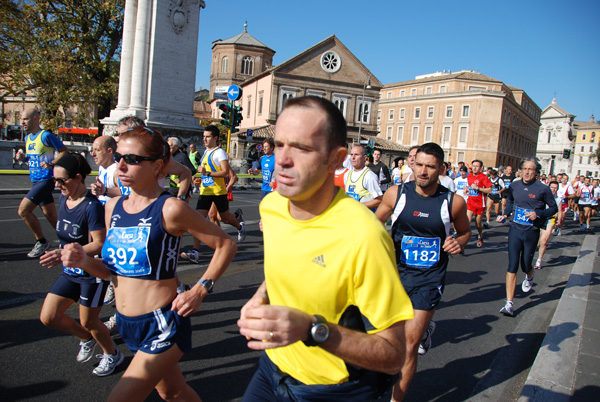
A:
(586, 145)
(327, 69)
(472, 116)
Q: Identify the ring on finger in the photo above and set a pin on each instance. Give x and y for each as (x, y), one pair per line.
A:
(270, 335)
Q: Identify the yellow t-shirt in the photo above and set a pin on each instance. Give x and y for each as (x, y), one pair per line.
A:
(340, 258)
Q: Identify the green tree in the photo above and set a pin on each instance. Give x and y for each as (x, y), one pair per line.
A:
(65, 51)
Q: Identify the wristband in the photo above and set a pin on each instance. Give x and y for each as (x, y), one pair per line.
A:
(105, 191)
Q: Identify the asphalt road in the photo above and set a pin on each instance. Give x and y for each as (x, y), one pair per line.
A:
(477, 353)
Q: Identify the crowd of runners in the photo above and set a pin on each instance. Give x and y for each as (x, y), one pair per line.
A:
(346, 315)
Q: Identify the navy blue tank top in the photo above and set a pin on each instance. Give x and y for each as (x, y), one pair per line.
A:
(420, 226)
(74, 226)
(138, 246)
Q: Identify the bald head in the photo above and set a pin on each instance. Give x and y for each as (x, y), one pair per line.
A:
(31, 120)
(103, 150)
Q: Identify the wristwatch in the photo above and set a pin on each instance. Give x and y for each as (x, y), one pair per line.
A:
(182, 197)
(207, 284)
(208, 173)
(318, 333)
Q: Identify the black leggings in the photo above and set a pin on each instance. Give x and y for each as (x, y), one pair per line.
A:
(521, 248)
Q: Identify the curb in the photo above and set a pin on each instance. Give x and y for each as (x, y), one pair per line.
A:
(552, 376)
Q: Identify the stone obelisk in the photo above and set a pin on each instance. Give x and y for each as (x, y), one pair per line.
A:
(158, 65)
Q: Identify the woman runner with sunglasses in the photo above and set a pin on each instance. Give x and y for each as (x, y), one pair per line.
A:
(80, 220)
(140, 252)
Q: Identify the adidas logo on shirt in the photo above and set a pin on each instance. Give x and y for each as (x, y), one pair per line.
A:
(320, 260)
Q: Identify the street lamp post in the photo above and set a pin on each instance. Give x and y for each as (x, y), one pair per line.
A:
(361, 107)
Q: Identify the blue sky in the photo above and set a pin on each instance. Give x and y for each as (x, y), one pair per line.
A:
(540, 46)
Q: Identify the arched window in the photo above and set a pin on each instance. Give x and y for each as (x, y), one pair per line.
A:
(247, 65)
(225, 65)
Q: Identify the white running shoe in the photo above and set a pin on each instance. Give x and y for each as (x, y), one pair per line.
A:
(86, 350)
(508, 309)
(527, 284)
(108, 364)
(538, 264)
(242, 232)
(38, 249)
(425, 344)
(111, 324)
(191, 256)
(110, 295)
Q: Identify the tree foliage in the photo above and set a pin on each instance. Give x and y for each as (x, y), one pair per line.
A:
(66, 52)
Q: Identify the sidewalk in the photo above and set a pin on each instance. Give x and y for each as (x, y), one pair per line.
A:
(567, 367)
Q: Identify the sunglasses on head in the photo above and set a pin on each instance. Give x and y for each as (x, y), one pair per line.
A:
(60, 180)
(132, 159)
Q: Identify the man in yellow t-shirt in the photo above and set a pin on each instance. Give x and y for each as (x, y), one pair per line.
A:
(330, 313)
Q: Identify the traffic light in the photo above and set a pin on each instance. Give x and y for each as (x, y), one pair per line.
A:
(237, 119)
(225, 116)
(566, 153)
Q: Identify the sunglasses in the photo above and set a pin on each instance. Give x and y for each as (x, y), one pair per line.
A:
(132, 159)
(61, 181)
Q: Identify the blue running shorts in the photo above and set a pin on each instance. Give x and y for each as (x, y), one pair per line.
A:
(156, 332)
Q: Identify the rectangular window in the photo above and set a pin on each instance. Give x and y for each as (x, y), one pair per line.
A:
(260, 103)
(477, 88)
(462, 134)
(389, 132)
(581, 159)
(248, 107)
(460, 157)
(466, 110)
(591, 149)
(415, 134)
(442, 89)
(402, 93)
(400, 135)
(428, 134)
(402, 113)
(341, 101)
(428, 90)
(582, 147)
(389, 94)
(364, 111)
(391, 114)
(285, 95)
(413, 92)
(449, 111)
(378, 115)
(417, 113)
(447, 134)
(430, 111)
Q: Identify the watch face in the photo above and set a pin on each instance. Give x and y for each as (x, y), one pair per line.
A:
(320, 332)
